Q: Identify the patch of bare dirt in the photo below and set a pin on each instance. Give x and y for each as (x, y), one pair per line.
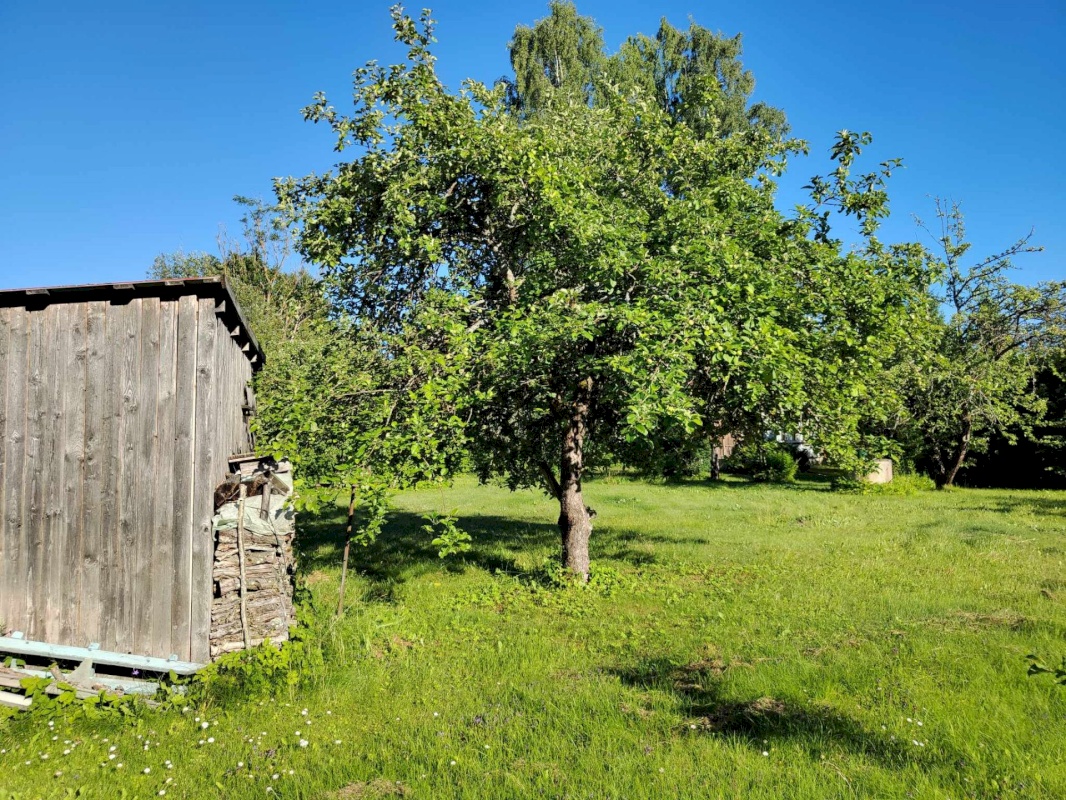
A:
(371, 790)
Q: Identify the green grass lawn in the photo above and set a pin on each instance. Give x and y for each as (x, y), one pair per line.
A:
(737, 641)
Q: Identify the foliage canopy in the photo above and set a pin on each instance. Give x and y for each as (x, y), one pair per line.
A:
(606, 274)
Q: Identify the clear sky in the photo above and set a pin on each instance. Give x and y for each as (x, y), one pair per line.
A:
(127, 127)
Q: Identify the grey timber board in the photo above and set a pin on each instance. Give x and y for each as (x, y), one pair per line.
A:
(72, 575)
(158, 534)
(54, 542)
(16, 562)
(5, 347)
(204, 467)
(36, 514)
(96, 506)
(142, 478)
(183, 494)
(111, 576)
(122, 600)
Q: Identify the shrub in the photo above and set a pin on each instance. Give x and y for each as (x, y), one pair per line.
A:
(767, 462)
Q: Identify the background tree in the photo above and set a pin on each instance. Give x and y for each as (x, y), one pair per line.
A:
(1034, 458)
(280, 299)
(980, 372)
(559, 59)
(617, 274)
(694, 76)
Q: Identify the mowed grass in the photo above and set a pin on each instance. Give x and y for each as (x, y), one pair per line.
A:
(737, 641)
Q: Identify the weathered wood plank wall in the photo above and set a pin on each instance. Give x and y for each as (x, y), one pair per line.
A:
(116, 423)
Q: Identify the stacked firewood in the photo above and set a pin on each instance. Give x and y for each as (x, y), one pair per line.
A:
(254, 565)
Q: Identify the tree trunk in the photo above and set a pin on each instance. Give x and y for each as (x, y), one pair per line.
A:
(960, 453)
(347, 549)
(575, 522)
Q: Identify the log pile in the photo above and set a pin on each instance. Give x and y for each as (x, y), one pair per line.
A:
(254, 564)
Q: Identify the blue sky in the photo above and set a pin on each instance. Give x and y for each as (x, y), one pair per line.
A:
(127, 127)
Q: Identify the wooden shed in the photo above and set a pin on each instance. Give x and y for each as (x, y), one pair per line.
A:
(120, 407)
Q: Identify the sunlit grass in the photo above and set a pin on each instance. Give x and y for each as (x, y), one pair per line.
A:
(738, 641)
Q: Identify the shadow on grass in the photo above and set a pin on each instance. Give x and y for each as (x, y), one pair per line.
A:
(1040, 506)
(403, 550)
(761, 721)
(805, 481)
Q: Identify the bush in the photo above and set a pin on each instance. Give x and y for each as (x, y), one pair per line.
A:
(766, 462)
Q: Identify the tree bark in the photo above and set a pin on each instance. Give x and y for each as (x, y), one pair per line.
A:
(347, 549)
(960, 452)
(575, 522)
